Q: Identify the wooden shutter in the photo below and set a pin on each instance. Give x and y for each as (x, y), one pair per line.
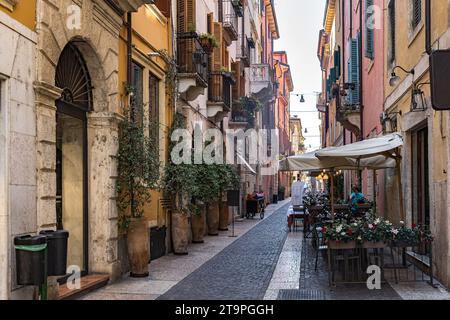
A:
(186, 16)
(217, 55)
(369, 38)
(393, 27)
(416, 13)
(164, 7)
(353, 70)
(337, 62)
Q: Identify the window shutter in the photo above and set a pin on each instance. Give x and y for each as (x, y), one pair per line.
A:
(337, 62)
(369, 39)
(392, 31)
(416, 13)
(354, 70)
(235, 66)
(186, 16)
(217, 55)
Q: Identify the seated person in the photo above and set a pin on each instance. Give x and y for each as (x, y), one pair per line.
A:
(356, 198)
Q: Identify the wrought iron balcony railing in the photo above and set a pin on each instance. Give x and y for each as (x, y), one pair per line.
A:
(261, 77)
(192, 59)
(243, 50)
(230, 19)
(219, 88)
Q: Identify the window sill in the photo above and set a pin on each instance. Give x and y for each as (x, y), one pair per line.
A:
(414, 34)
(8, 4)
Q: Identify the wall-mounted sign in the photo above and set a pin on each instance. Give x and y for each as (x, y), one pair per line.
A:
(440, 79)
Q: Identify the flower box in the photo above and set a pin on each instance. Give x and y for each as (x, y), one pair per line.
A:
(340, 245)
(374, 245)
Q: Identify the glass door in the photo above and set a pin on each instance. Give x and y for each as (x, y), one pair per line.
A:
(72, 182)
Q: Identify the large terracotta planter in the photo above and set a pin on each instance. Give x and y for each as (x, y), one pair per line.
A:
(212, 219)
(138, 247)
(180, 233)
(198, 226)
(223, 216)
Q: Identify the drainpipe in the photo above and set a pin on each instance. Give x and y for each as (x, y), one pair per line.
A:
(361, 91)
(343, 58)
(129, 57)
(428, 27)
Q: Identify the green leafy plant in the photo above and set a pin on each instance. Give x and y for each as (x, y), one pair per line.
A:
(207, 37)
(179, 180)
(138, 170)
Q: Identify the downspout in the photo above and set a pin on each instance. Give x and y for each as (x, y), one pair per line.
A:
(343, 58)
(129, 58)
(361, 91)
(428, 47)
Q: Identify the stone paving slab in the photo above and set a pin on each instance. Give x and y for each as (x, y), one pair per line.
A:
(242, 271)
(169, 270)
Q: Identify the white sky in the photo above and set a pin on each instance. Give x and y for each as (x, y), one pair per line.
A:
(299, 22)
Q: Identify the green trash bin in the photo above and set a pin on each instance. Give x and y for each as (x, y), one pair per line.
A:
(31, 260)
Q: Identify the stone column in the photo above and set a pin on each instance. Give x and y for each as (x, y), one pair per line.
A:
(103, 214)
(46, 95)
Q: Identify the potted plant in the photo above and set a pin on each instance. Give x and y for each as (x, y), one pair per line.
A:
(198, 223)
(341, 235)
(375, 233)
(208, 42)
(138, 173)
(178, 184)
(230, 180)
(281, 192)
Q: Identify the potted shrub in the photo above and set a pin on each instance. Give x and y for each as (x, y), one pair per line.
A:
(178, 184)
(198, 223)
(208, 42)
(138, 173)
(230, 180)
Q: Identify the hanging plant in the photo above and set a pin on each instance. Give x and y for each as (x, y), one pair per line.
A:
(208, 42)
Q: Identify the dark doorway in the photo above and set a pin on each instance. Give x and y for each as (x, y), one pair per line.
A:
(71, 153)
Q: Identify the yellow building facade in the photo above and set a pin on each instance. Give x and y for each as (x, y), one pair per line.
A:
(425, 153)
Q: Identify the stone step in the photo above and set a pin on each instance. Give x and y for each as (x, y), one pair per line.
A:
(87, 284)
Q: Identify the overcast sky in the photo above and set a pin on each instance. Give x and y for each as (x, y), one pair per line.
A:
(299, 22)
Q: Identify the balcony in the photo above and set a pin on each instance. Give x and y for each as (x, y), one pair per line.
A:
(243, 114)
(128, 5)
(350, 118)
(219, 95)
(192, 66)
(230, 21)
(243, 50)
(261, 81)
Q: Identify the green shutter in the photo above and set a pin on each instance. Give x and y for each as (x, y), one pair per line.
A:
(369, 34)
(353, 70)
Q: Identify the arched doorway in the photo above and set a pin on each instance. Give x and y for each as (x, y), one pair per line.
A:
(73, 78)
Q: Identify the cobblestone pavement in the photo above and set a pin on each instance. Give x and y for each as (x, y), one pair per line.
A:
(242, 271)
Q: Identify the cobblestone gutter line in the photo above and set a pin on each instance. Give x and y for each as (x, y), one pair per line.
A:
(242, 271)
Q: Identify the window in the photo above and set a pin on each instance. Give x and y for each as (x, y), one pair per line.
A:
(369, 27)
(153, 106)
(416, 16)
(392, 32)
(137, 83)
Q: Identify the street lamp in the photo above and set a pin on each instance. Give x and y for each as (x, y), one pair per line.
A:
(395, 79)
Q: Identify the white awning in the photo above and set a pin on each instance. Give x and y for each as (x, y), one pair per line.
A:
(363, 149)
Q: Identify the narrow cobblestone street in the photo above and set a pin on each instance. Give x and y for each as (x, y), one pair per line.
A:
(254, 266)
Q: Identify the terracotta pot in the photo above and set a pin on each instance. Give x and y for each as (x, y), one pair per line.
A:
(223, 216)
(180, 233)
(334, 245)
(373, 245)
(212, 218)
(198, 226)
(138, 247)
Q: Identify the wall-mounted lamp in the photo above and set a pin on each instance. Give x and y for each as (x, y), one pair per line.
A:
(418, 101)
(154, 54)
(395, 79)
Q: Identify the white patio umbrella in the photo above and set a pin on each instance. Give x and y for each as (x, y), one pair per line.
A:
(365, 152)
(309, 162)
